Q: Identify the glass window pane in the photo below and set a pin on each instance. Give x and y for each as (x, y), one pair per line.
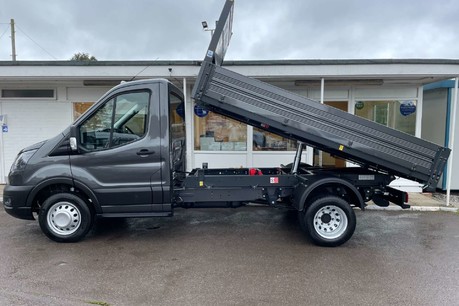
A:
(130, 120)
(79, 108)
(27, 93)
(95, 132)
(215, 132)
(121, 120)
(266, 141)
(399, 115)
(178, 131)
(177, 116)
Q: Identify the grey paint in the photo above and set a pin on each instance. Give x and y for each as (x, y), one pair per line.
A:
(121, 179)
(117, 180)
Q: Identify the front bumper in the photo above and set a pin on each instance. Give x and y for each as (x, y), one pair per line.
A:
(15, 201)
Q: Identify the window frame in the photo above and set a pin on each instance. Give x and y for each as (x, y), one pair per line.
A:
(246, 140)
(54, 97)
(92, 112)
(389, 117)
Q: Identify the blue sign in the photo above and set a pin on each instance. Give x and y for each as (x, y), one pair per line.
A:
(4, 128)
(200, 111)
(407, 108)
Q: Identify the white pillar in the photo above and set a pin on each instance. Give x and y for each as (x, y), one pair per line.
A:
(249, 152)
(451, 143)
(322, 90)
(2, 156)
(418, 128)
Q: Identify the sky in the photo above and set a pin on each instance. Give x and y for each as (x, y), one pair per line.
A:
(262, 29)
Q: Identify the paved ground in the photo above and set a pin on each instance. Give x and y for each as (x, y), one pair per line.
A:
(246, 256)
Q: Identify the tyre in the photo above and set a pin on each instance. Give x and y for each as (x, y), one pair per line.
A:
(65, 217)
(328, 221)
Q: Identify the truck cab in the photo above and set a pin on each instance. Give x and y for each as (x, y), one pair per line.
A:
(122, 158)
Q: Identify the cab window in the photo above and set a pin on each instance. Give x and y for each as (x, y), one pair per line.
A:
(121, 120)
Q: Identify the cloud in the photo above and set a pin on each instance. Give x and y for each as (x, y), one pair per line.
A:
(269, 29)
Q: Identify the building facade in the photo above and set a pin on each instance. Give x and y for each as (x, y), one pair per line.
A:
(40, 99)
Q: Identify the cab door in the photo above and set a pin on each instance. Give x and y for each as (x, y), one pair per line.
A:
(119, 150)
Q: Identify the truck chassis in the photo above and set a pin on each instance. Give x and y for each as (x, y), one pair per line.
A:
(324, 198)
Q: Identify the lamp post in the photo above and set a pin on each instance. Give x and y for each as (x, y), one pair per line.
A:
(205, 27)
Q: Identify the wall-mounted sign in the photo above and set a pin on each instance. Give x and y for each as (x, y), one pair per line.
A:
(200, 111)
(407, 108)
(4, 128)
(359, 105)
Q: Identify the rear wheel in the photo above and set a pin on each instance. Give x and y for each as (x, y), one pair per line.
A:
(328, 221)
(65, 217)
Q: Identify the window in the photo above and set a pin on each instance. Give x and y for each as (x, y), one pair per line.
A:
(214, 132)
(177, 132)
(266, 141)
(121, 120)
(79, 108)
(177, 115)
(27, 93)
(399, 115)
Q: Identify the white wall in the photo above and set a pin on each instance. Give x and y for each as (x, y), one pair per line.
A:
(30, 122)
(387, 92)
(85, 94)
(33, 120)
(455, 154)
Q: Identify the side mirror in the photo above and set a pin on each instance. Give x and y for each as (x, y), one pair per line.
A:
(73, 144)
(73, 138)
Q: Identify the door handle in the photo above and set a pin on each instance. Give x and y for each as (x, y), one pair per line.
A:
(145, 152)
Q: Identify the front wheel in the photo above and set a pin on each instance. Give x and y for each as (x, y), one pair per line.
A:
(328, 221)
(65, 217)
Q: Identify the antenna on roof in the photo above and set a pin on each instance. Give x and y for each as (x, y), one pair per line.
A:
(146, 67)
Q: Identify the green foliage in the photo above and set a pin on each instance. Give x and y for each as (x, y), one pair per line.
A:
(83, 57)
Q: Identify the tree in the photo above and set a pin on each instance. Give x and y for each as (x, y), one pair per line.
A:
(83, 57)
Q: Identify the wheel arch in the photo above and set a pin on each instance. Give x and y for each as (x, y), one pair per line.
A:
(322, 186)
(59, 184)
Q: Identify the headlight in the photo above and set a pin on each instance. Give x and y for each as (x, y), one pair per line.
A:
(22, 159)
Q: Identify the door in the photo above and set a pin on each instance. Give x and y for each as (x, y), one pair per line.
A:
(119, 151)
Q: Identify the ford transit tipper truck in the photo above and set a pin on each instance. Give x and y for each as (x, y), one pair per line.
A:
(125, 157)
